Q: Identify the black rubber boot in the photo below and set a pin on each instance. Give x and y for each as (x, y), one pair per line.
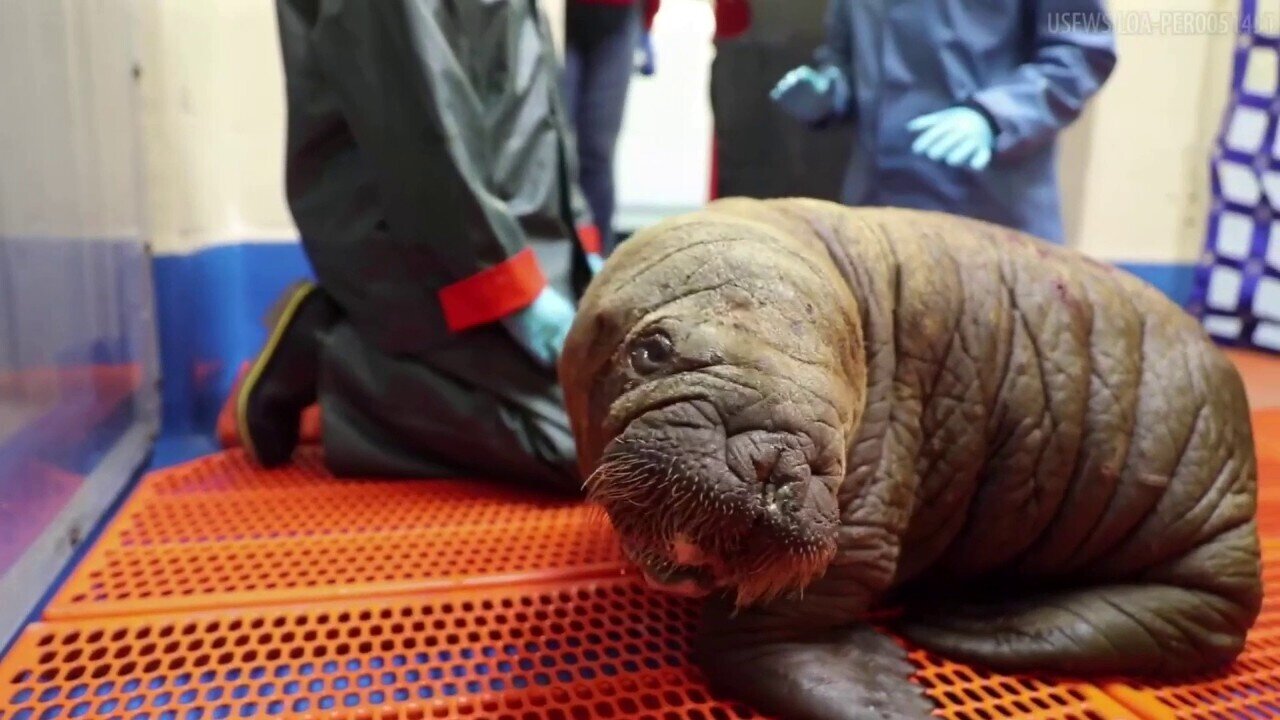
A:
(283, 379)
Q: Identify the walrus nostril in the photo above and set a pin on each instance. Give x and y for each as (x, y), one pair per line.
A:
(796, 494)
(765, 464)
(768, 461)
(791, 467)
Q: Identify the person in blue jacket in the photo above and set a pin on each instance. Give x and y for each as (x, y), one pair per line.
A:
(957, 104)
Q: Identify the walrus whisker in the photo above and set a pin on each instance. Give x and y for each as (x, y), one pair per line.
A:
(607, 478)
(594, 476)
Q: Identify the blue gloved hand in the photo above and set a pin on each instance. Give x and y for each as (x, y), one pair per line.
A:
(542, 327)
(958, 136)
(812, 95)
(646, 63)
(595, 261)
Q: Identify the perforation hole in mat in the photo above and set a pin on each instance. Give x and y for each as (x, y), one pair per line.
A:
(223, 498)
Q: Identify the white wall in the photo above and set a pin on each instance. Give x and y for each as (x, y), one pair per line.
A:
(67, 137)
(1135, 169)
(554, 11)
(214, 120)
(664, 155)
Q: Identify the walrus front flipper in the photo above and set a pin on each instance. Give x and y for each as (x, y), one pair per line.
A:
(1157, 630)
(852, 673)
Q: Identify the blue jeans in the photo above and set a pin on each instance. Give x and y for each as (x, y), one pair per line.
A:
(600, 44)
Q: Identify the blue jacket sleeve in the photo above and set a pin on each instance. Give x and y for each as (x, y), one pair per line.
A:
(1072, 54)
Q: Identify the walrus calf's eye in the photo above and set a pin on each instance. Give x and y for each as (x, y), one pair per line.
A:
(651, 353)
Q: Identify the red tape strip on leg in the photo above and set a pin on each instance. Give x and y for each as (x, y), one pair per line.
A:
(493, 293)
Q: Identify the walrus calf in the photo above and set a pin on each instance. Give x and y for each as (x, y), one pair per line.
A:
(808, 411)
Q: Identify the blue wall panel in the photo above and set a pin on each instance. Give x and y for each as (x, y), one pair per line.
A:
(211, 308)
(1173, 279)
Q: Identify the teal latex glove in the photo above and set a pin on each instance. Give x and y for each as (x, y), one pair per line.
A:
(958, 136)
(595, 261)
(811, 95)
(542, 327)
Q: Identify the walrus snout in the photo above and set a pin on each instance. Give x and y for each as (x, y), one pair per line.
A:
(782, 464)
(754, 511)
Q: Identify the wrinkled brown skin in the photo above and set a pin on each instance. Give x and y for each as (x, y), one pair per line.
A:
(1050, 452)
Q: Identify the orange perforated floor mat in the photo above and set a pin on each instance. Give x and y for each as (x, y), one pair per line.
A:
(218, 533)
(1266, 434)
(221, 591)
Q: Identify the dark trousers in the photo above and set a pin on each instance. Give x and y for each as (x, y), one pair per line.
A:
(600, 44)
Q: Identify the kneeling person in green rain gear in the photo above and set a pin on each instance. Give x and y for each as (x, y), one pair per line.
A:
(430, 174)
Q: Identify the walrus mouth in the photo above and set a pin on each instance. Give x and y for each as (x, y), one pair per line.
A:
(753, 543)
(662, 573)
